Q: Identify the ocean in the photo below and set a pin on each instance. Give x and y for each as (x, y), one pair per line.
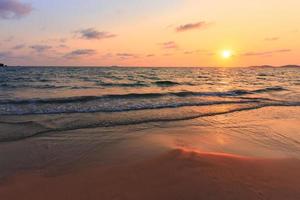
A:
(62, 114)
(42, 90)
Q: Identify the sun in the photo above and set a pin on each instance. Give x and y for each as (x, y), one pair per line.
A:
(226, 54)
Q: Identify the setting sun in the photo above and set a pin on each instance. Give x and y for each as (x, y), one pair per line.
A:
(226, 54)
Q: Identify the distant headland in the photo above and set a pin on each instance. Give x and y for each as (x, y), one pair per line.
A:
(270, 66)
(2, 65)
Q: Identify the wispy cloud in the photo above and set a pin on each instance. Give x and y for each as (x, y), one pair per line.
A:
(267, 53)
(270, 39)
(40, 48)
(150, 55)
(19, 46)
(192, 26)
(62, 46)
(126, 55)
(169, 45)
(198, 51)
(14, 9)
(56, 40)
(80, 53)
(93, 34)
(4, 55)
(201, 52)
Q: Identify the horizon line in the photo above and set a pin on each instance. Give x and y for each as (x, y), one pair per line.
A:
(138, 66)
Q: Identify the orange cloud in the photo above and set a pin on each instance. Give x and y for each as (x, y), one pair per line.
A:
(192, 26)
(93, 34)
(80, 53)
(169, 45)
(266, 53)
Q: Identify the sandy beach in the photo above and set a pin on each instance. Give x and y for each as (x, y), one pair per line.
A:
(178, 174)
(209, 164)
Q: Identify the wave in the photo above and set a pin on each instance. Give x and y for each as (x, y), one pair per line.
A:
(126, 121)
(35, 110)
(166, 83)
(123, 84)
(270, 89)
(48, 86)
(78, 99)
(100, 107)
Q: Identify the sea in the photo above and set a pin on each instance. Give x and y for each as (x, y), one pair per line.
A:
(51, 115)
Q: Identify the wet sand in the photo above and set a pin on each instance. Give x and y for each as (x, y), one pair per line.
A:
(178, 174)
(256, 156)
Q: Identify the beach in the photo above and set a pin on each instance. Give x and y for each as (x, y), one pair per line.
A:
(168, 165)
(161, 140)
(178, 174)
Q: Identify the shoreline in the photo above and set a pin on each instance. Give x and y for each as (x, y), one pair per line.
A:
(177, 174)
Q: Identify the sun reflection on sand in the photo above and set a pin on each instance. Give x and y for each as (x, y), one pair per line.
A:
(220, 139)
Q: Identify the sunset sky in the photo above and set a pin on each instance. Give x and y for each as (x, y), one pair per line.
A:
(149, 33)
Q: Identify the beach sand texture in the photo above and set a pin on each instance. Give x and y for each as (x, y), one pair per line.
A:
(178, 174)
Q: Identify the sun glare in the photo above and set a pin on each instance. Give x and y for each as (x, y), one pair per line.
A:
(226, 54)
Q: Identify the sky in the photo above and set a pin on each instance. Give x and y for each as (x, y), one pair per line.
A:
(149, 33)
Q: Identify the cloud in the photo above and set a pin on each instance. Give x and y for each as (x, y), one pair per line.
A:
(270, 39)
(5, 55)
(40, 48)
(169, 45)
(126, 55)
(93, 34)
(80, 52)
(19, 46)
(56, 40)
(195, 51)
(192, 26)
(63, 46)
(267, 53)
(201, 52)
(14, 9)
